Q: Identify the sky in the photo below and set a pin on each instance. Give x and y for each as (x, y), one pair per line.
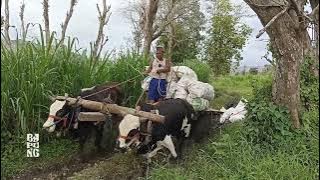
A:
(84, 25)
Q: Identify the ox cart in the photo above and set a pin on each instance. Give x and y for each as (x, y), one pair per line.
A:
(208, 118)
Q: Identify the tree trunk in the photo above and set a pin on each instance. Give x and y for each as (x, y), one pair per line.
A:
(291, 42)
(150, 14)
(171, 40)
(147, 43)
(315, 8)
(46, 20)
(7, 23)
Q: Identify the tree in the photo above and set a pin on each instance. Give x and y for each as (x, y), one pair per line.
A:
(227, 37)
(6, 22)
(286, 23)
(183, 36)
(155, 16)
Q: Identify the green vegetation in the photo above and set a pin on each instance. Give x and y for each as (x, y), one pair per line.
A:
(232, 88)
(56, 151)
(264, 146)
(227, 37)
(31, 71)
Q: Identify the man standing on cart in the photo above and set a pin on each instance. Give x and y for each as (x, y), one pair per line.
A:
(158, 69)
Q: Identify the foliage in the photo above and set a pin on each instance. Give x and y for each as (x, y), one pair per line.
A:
(309, 84)
(186, 35)
(268, 124)
(31, 71)
(227, 37)
(127, 66)
(231, 154)
(232, 88)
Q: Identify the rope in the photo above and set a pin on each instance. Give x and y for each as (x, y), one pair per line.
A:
(112, 86)
(159, 89)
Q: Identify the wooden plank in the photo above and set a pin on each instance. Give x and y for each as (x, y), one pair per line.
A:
(214, 110)
(92, 116)
(111, 108)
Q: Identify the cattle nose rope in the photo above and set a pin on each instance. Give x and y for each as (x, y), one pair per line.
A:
(112, 86)
(59, 119)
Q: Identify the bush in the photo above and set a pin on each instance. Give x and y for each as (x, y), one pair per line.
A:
(309, 85)
(267, 124)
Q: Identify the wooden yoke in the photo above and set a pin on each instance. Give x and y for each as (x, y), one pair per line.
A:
(111, 108)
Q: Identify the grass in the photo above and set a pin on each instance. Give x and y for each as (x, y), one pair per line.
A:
(233, 88)
(229, 155)
(31, 71)
(56, 151)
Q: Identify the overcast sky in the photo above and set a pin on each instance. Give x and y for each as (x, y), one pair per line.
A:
(84, 25)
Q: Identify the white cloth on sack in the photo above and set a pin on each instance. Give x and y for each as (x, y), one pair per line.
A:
(234, 114)
(201, 90)
(181, 71)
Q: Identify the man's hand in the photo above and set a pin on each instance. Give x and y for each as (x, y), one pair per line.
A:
(154, 71)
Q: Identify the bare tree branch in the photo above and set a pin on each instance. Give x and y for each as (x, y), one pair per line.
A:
(101, 39)
(66, 21)
(46, 20)
(312, 15)
(163, 27)
(272, 20)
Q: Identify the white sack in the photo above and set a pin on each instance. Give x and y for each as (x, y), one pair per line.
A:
(185, 82)
(200, 89)
(180, 93)
(234, 114)
(171, 89)
(181, 71)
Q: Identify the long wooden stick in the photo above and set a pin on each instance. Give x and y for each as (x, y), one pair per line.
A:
(111, 108)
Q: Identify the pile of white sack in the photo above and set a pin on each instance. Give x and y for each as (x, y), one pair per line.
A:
(234, 114)
(183, 84)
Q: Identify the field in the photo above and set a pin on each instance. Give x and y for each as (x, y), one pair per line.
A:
(32, 72)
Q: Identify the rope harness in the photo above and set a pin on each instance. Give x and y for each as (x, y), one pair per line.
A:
(58, 120)
(112, 86)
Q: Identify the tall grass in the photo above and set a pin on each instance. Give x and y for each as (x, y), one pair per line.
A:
(31, 71)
